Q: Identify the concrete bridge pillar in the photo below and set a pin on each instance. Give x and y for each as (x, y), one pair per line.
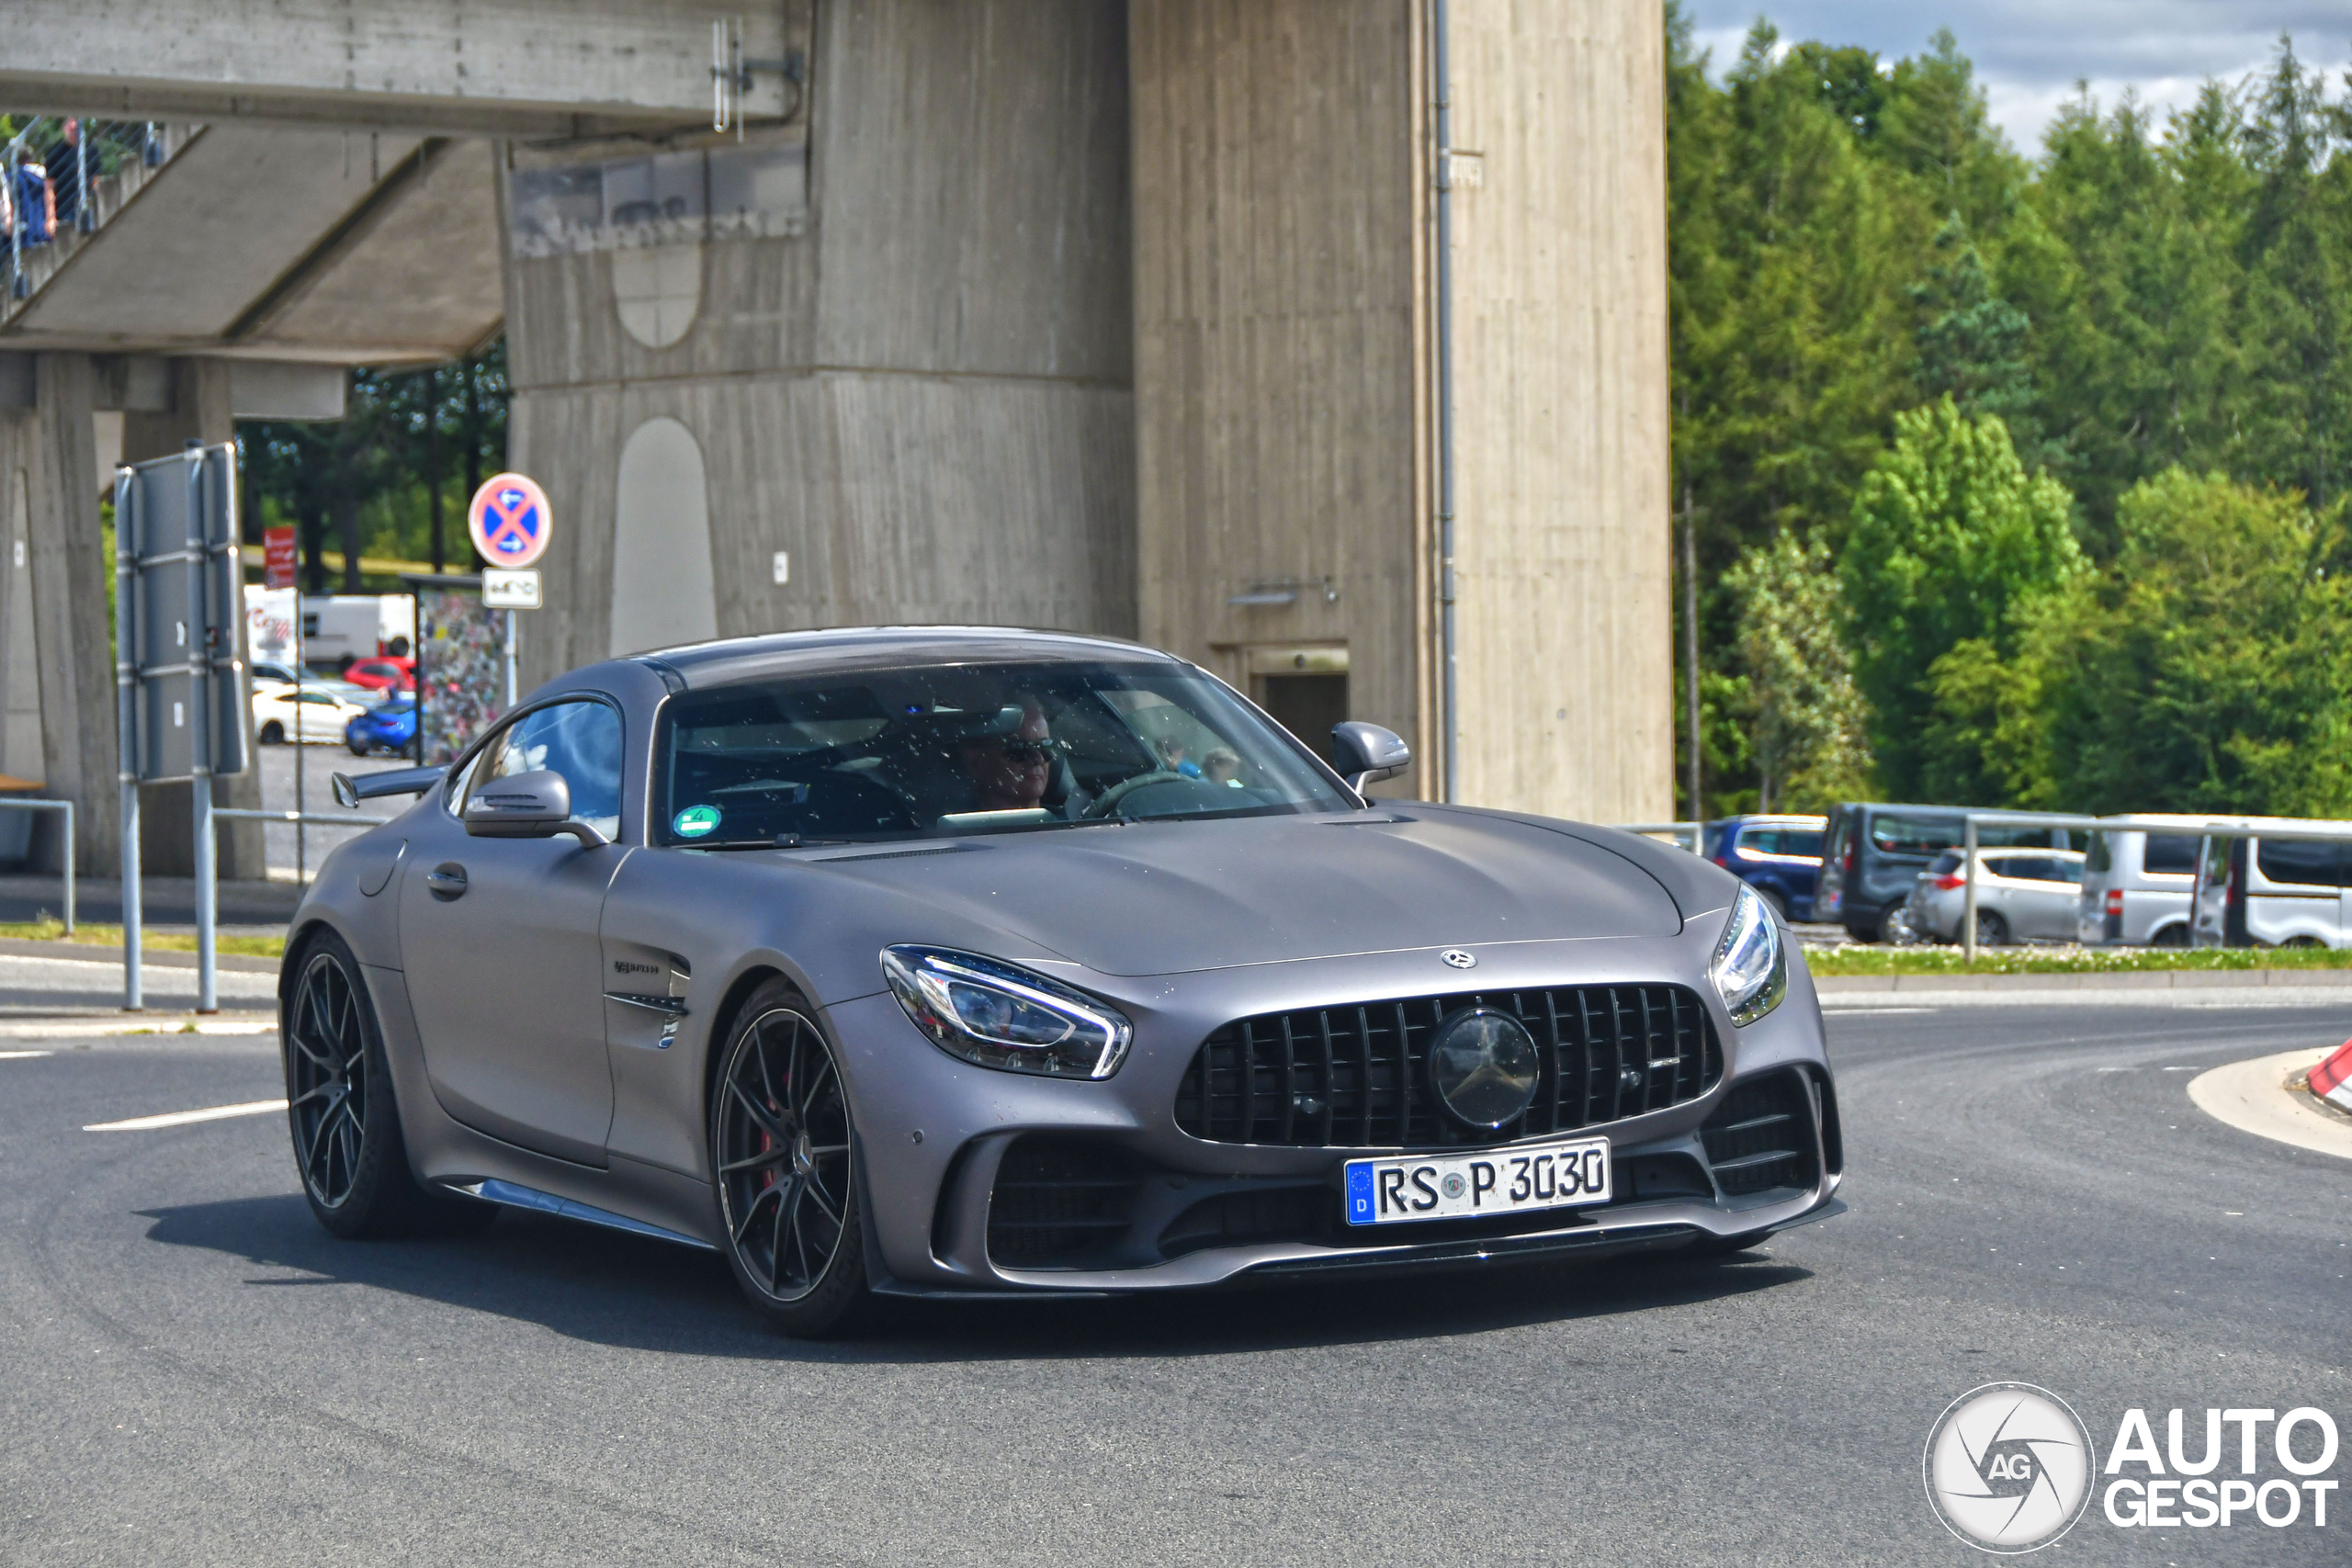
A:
(871, 366)
(57, 683)
(52, 622)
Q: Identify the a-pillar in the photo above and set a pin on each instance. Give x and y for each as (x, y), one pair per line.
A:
(886, 378)
(199, 410)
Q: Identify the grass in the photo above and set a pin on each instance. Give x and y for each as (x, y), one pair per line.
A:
(88, 935)
(1856, 959)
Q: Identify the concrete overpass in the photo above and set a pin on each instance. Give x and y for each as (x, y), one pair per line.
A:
(1070, 312)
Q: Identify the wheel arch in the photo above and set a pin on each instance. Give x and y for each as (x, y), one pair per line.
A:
(723, 1019)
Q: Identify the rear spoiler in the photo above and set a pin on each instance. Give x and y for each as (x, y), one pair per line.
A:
(349, 792)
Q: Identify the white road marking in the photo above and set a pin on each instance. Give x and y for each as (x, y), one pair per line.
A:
(182, 1118)
(1852, 1011)
(20, 1055)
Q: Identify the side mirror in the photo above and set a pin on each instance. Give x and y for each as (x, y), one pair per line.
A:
(526, 806)
(1365, 752)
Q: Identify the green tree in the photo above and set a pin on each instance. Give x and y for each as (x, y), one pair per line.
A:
(1971, 345)
(1950, 537)
(1807, 719)
(2210, 669)
(2298, 424)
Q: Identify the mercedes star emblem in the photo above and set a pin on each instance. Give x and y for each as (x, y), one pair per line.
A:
(1456, 959)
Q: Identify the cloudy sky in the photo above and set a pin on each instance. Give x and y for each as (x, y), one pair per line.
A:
(2029, 53)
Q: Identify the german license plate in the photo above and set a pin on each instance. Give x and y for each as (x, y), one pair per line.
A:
(1573, 1173)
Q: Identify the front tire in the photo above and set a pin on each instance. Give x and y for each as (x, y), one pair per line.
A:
(781, 1144)
(347, 1125)
(272, 734)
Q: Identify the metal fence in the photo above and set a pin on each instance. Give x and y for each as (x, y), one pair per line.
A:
(39, 166)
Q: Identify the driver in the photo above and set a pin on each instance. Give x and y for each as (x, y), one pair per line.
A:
(1010, 770)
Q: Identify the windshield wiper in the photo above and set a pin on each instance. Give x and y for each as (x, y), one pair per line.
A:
(781, 841)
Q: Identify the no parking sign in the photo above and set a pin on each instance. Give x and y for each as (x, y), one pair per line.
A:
(510, 521)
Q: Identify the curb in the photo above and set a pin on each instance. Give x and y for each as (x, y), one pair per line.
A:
(2254, 1096)
(2114, 980)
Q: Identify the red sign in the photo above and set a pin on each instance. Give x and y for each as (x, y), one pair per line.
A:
(278, 557)
(509, 520)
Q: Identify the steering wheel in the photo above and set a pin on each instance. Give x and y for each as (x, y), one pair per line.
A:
(1103, 804)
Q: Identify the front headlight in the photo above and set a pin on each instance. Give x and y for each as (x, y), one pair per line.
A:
(995, 1014)
(1750, 971)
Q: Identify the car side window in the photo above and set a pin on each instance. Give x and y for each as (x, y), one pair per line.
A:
(580, 740)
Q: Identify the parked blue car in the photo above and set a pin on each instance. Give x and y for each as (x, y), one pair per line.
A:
(1778, 856)
(389, 725)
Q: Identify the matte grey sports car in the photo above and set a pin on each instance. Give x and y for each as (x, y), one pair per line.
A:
(942, 961)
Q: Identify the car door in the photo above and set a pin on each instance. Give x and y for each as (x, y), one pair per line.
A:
(2045, 899)
(500, 939)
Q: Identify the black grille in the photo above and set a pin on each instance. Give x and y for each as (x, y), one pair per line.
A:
(1059, 1202)
(1236, 1219)
(1357, 1076)
(1761, 1137)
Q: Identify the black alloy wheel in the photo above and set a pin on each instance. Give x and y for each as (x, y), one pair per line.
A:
(345, 1121)
(326, 1079)
(781, 1149)
(1991, 929)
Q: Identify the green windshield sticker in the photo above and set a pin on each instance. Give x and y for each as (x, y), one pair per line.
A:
(694, 821)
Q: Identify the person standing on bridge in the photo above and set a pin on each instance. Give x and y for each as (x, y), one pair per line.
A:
(65, 175)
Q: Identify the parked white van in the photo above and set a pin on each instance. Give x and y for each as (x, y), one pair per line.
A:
(2136, 887)
(2275, 892)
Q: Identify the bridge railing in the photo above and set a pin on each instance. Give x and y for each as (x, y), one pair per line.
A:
(54, 192)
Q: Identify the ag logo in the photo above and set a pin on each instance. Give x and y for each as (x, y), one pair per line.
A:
(2008, 1468)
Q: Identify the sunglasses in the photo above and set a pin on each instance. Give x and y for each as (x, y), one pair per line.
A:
(1020, 750)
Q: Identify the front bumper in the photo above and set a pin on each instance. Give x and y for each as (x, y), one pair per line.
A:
(1115, 1198)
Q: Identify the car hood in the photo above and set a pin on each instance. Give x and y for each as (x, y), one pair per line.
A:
(1160, 899)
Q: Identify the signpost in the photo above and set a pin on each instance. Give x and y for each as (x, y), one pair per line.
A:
(180, 698)
(510, 521)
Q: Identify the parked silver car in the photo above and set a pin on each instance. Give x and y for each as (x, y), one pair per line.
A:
(2020, 894)
(2136, 888)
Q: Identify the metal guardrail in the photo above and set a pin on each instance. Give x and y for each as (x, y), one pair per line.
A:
(102, 150)
(66, 806)
(2210, 827)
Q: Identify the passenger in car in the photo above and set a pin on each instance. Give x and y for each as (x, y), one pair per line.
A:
(1222, 766)
(1173, 758)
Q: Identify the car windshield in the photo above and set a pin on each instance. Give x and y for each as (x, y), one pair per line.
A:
(971, 749)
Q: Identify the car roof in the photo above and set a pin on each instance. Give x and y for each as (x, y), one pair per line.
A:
(731, 660)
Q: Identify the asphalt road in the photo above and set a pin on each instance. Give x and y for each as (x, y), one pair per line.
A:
(192, 1371)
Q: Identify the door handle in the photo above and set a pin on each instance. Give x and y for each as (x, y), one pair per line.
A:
(446, 880)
